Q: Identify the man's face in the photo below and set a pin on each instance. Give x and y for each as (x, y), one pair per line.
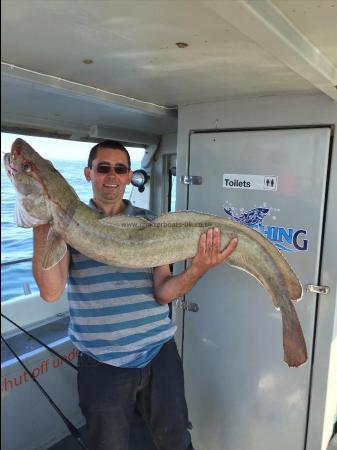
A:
(108, 187)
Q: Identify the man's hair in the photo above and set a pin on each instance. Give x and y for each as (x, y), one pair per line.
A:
(114, 145)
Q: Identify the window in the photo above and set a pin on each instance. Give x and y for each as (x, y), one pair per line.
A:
(69, 158)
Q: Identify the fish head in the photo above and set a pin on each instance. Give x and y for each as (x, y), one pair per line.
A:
(26, 169)
(28, 172)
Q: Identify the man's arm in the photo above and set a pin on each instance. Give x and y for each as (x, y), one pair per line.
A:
(167, 287)
(51, 282)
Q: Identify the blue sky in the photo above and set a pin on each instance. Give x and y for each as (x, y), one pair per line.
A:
(58, 148)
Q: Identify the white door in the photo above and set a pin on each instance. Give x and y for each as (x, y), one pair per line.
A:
(241, 395)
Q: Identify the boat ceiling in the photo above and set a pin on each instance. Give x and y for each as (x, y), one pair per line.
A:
(88, 69)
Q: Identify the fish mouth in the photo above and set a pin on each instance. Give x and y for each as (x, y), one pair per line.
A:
(16, 154)
(11, 171)
(17, 145)
(7, 159)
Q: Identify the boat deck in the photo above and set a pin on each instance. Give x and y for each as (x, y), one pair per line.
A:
(139, 440)
(69, 442)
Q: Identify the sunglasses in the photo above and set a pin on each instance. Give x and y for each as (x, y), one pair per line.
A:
(120, 169)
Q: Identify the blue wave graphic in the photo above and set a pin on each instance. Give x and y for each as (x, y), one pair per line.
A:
(252, 217)
(283, 247)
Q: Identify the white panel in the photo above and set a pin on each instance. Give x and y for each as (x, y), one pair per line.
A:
(240, 392)
(28, 421)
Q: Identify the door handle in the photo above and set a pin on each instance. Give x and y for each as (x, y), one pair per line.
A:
(314, 289)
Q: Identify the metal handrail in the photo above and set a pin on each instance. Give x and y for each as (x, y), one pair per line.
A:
(16, 261)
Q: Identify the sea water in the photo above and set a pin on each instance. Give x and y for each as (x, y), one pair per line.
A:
(17, 243)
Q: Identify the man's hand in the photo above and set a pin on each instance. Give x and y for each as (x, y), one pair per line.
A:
(168, 288)
(209, 253)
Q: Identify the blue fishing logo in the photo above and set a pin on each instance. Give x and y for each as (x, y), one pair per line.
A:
(286, 239)
(250, 218)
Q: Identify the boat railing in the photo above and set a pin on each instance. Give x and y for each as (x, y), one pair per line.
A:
(25, 285)
(29, 309)
(15, 261)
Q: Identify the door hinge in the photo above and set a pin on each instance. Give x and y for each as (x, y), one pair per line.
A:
(186, 305)
(195, 180)
(314, 289)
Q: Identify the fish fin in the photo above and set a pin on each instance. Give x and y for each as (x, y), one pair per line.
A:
(295, 289)
(295, 350)
(289, 278)
(54, 251)
(187, 217)
(170, 217)
(122, 221)
(239, 261)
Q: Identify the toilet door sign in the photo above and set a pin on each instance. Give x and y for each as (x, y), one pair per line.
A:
(248, 181)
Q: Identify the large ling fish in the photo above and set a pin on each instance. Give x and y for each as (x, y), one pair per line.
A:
(135, 242)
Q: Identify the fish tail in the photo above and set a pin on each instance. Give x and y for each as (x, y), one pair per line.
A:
(295, 350)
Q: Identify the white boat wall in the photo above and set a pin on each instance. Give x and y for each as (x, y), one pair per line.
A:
(29, 422)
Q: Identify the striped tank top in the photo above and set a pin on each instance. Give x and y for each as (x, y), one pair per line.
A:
(114, 316)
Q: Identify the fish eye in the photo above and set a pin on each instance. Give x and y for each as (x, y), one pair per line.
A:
(26, 167)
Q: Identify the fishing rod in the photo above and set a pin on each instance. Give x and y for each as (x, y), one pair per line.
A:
(40, 342)
(73, 430)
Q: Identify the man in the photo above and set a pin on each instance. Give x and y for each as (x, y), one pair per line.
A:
(119, 321)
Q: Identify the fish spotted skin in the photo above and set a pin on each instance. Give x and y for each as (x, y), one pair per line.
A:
(135, 242)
